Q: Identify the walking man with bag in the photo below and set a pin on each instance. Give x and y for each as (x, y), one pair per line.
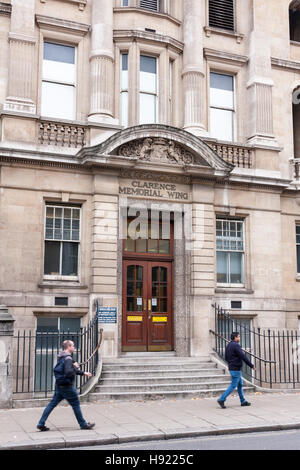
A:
(65, 372)
(235, 356)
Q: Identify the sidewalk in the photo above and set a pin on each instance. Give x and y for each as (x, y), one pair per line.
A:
(118, 422)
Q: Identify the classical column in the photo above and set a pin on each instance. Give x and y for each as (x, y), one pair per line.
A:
(6, 355)
(102, 63)
(193, 68)
(260, 83)
(20, 94)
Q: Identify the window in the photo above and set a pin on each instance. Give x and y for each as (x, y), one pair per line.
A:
(298, 247)
(221, 14)
(294, 12)
(58, 81)
(124, 90)
(50, 333)
(171, 74)
(148, 90)
(62, 235)
(296, 122)
(150, 4)
(222, 112)
(125, 3)
(230, 251)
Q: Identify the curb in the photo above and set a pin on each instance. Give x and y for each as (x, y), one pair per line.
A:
(61, 443)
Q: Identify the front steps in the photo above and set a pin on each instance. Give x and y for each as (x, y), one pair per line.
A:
(154, 377)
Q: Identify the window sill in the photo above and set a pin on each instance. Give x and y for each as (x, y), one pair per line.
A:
(61, 283)
(209, 30)
(298, 278)
(233, 290)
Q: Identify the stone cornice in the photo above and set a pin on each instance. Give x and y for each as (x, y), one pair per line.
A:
(129, 35)
(5, 9)
(225, 57)
(285, 64)
(66, 26)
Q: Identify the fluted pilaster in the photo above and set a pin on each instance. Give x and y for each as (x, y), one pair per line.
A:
(20, 85)
(102, 63)
(193, 68)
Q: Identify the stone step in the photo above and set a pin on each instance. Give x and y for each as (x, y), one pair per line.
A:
(162, 379)
(157, 365)
(165, 394)
(160, 372)
(160, 387)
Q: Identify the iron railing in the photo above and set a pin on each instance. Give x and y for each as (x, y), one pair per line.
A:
(274, 353)
(35, 354)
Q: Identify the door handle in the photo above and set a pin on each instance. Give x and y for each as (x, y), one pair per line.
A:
(145, 305)
(149, 305)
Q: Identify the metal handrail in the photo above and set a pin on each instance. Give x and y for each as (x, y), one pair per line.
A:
(248, 352)
(95, 350)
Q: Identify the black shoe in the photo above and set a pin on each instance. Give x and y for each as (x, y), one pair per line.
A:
(89, 426)
(43, 428)
(221, 403)
(245, 403)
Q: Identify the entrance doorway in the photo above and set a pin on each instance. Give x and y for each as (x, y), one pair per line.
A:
(147, 302)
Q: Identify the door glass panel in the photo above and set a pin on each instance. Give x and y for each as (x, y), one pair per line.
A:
(159, 289)
(141, 245)
(164, 247)
(153, 246)
(134, 288)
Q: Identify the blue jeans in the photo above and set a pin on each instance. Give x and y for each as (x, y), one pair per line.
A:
(236, 382)
(70, 394)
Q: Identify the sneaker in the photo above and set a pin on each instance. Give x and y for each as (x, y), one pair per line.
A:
(245, 403)
(43, 428)
(89, 426)
(221, 403)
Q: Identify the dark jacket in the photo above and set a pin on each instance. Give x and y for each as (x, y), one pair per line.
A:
(70, 370)
(235, 356)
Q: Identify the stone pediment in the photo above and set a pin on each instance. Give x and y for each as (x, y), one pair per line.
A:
(156, 146)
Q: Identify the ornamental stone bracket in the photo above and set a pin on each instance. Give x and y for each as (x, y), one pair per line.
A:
(158, 147)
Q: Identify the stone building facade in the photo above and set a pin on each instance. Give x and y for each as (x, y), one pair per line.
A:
(188, 108)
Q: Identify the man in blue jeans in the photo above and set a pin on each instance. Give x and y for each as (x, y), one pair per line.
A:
(235, 356)
(67, 392)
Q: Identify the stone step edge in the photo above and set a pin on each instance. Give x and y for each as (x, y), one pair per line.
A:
(106, 379)
(165, 392)
(156, 386)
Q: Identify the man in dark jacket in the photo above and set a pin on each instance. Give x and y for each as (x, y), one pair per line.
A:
(235, 356)
(67, 392)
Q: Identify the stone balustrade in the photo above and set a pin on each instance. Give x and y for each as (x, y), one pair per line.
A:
(61, 135)
(238, 155)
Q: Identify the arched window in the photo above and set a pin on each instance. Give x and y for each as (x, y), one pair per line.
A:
(294, 10)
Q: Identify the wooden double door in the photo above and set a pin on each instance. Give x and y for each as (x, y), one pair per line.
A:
(147, 306)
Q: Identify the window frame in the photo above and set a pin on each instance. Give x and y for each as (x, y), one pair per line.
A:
(142, 92)
(222, 108)
(229, 250)
(78, 242)
(297, 244)
(124, 91)
(67, 83)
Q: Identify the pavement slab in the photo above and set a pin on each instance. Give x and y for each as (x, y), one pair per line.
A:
(117, 422)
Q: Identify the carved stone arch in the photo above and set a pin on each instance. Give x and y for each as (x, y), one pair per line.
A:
(160, 144)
